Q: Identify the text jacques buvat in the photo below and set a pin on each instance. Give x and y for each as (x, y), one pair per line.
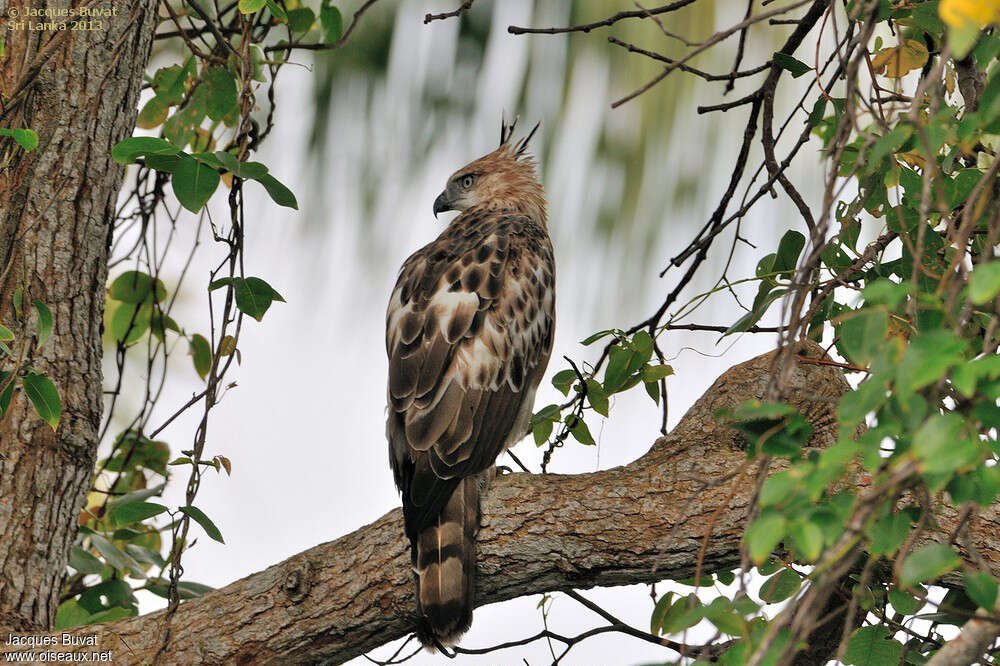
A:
(64, 648)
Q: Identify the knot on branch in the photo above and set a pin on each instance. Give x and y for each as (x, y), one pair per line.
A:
(297, 581)
(812, 387)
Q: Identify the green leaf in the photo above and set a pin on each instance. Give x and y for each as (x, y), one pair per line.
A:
(164, 163)
(903, 602)
(206, 523)
(221, 92)
(597, 397)
(114, 556)
(780, 586)
(332, 21)
(135, 512)
(870, 394)
(144, 555)
(127, 150)
(7, 393)
(541, 431)
(982, 588)
(778, 488)
(885, 292)
(873, 646)
(683, 614)
(280, 194)
(129, 322)
(984, 283)
(591, 339)
(254, 296)
(659, 612)
(301, 19)
(615, 371)
(548, 413)
(765, 297)
(241, 169)
(653, 373)
(563, 379)
(808, 540)
(887, 144)
(26, 138)
(71, 614)
(862, 335)
(725, 577)
(137, 287)
(44, 397)
(193, 183)
(44, 321)
(927, 358)
(201, 355)
(793, 65)
(580, 431)
(789, 248)
(928, 563)
(966, 376)
(720, 613)
(112, 614)
(250, 6)
(653, 391)
(6, 335)
(764, 535)
(84, 562)
(888, 533)
(942, 445)
(276, 11)
(189, 589)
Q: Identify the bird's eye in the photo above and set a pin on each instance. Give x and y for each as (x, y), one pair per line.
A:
(467, 181)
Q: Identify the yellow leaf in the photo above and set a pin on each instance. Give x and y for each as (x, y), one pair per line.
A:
(913, 159)
(895, 61)
(949, 78)
(960, 13)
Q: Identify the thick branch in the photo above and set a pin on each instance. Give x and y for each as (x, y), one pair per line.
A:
(634, 524)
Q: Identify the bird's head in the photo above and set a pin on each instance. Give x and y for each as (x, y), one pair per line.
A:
(504, 179)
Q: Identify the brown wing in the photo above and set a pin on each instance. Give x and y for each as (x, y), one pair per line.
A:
(468, 333)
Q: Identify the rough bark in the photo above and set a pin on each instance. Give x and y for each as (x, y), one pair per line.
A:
(640, 523)
(78, 90)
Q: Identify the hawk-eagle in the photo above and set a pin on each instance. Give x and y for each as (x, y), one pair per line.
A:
(468, 333)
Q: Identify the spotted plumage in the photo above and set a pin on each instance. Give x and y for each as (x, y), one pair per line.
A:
(468, 333)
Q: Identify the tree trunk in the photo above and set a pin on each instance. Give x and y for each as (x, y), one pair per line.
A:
(78, 89)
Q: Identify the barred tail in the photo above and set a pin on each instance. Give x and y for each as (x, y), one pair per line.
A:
(446, 568)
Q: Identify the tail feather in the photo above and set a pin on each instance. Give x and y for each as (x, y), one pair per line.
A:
(445, 566)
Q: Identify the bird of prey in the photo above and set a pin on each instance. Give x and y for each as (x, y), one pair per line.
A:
(468, 332)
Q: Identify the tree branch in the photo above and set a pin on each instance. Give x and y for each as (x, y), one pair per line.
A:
(969, 646)
(634, 524)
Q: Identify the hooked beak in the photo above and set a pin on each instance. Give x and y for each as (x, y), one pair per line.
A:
(441, 204)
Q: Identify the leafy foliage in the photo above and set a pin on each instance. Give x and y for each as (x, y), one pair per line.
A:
(912, 314)
(200, 110)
